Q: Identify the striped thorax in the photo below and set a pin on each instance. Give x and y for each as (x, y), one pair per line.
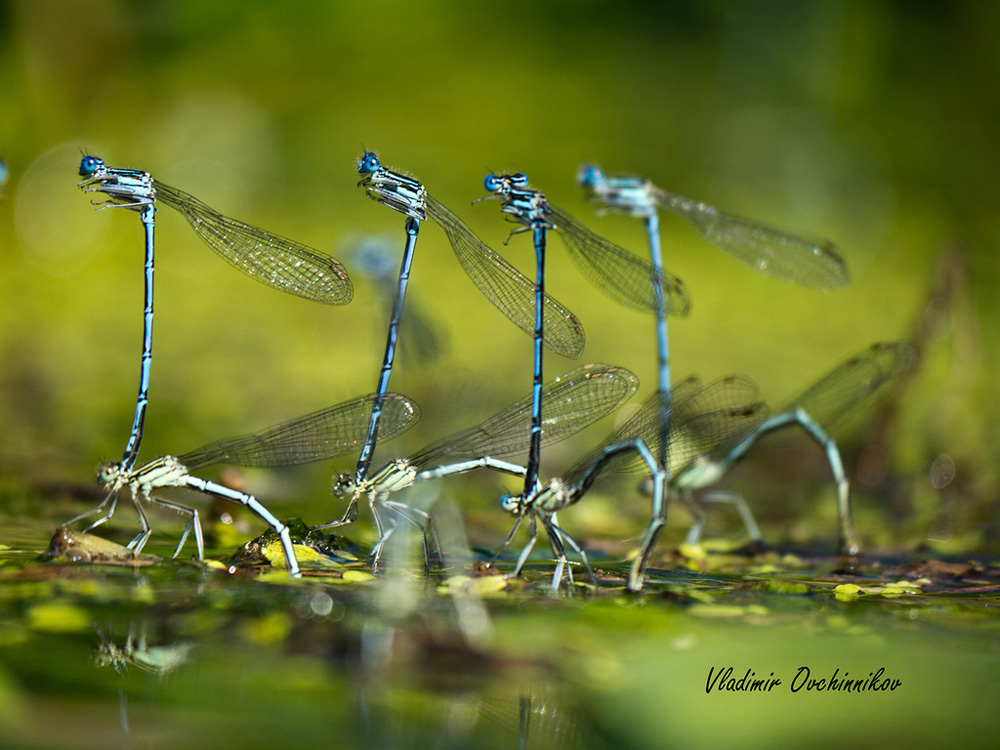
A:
(634, 196)
(392, 189)
(129, 188)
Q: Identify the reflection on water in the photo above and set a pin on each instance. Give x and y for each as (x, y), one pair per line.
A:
(178, 655)
(137, 652)
(172, 655)
(418, 691)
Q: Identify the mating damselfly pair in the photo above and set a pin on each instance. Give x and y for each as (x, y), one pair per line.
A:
(685, 437)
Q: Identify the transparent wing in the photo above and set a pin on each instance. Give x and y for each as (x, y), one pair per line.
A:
(507, 288)
(623, 276)
(799, 260)
(323, 434)
(853, 381)
(281, 263)
(700, 422)
(570, 403)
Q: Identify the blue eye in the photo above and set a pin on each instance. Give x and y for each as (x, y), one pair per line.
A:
(509, 503)
(369, 162)
(89, 165)
(491, 183)
(589, 175)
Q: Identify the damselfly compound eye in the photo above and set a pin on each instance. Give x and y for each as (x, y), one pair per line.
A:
(589, 175)
(107, 473)
(89, 166)
(369, 163)
(510, 503)
(343, 484)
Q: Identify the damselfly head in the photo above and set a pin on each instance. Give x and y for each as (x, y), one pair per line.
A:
(343, 484)
(108, 473)
(368, 163)
(589, 175)
(512, 504)
(504, 183)
(90, 166)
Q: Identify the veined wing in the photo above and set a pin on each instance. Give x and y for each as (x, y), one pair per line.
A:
(324, 434)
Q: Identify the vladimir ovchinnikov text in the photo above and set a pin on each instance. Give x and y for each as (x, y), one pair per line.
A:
(727, 680)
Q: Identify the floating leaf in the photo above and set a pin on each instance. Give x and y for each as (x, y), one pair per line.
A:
(787, 587)
(847, 592)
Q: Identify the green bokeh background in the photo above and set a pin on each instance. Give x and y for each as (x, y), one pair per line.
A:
(871, 123)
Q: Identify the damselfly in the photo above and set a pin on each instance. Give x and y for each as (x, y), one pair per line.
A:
(278, 262)
(701, 419)
(617, 272)
(785, 256)
(500, 282)
(321, 435)
(572, 402)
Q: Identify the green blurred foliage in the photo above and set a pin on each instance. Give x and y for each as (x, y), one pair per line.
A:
(872, 123)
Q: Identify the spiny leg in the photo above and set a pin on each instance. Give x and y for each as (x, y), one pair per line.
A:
(400, 510)
(560, 552)
(140, 539)
(508, 540)
(533, 537)
(194, 521)
(731, 498)
(350, 514)
(426, 522)
(382, 532)
(110, 499)
(699, 516)
(658, 518)
(567, 539)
